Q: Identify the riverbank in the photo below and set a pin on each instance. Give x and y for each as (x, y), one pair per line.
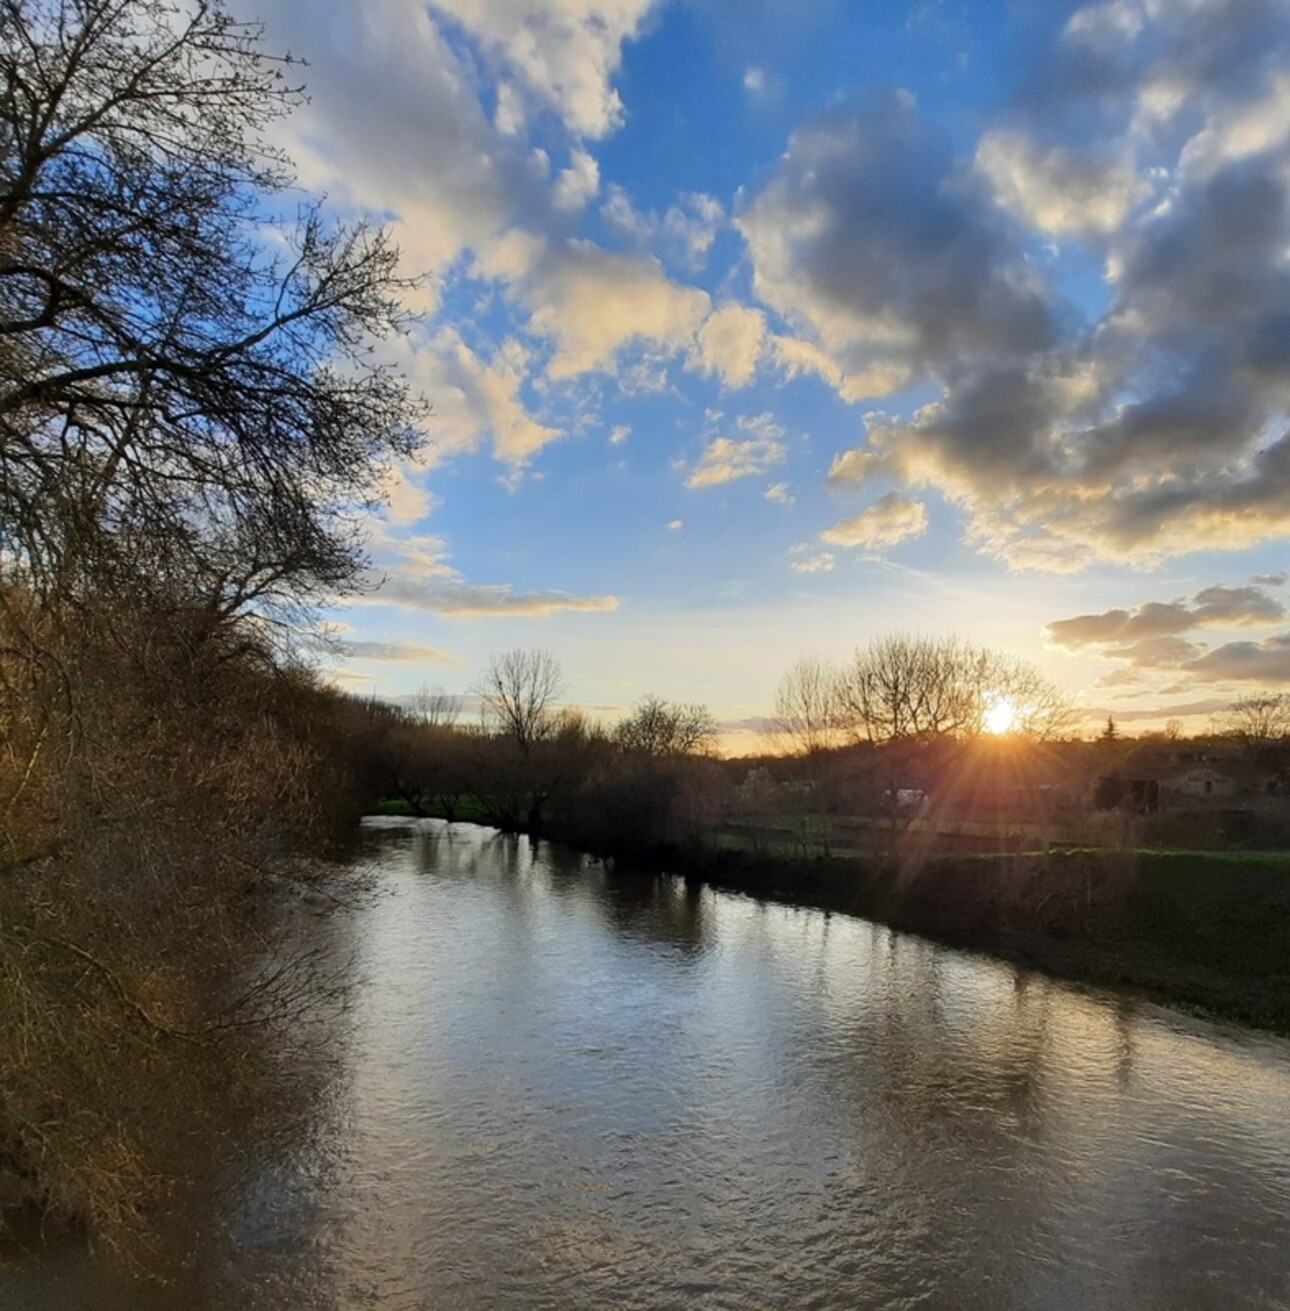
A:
(1197, 931)
(1200, 931)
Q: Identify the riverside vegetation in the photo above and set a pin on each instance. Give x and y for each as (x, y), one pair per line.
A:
(189, 427)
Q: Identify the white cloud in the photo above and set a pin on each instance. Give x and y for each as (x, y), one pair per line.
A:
(779, 493)
(725, 459)
(676, 525)
(761, 85)
(823, 562)
(578, 183)
(888, 522)
(407, 500)
(473, 398)
(565, 52)
(729, 344)
(1059, 188)
(394, 125)
(592, 302)
(1106, 27)
(685, 233)
(414, 573)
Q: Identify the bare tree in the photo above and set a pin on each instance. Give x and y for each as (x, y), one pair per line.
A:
(901, 687)
(1257, 721)
(519, 691)
(435, 708)
(808, 714)
(664, 728)
(183, 412)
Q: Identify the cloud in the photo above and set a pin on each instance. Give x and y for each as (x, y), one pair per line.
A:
(891, 520)
(593, 302)
(1149, 425)
(397, 652)
(1057, 188)
(1269, 580)
(725, 459)
(564, 53)
(578, 183)
(1210, 706)
(675, 525)
(1155, 652)
(1266, 661)
(474, 398)
(407, 500)
(823, 562)
(443, 173)
(729, 344)
(685, 233)
(1213, 607)
(865, 239)
(414, 573)
(619, 434)
(779, 493)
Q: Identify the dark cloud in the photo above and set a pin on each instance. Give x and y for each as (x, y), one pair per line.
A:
(1210, 706)
(1157, 428)
(1264, 662)
(1152, 627)
(870, 236)
(454, 598)
(1154, 652)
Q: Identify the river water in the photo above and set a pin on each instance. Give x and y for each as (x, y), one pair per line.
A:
(562, 1087)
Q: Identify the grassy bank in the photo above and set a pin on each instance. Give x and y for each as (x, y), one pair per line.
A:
(1208, 931)
(1205, 931)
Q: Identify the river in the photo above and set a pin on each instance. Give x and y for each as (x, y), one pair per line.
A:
(562, 1087)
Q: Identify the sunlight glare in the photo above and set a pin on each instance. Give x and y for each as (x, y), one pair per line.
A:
(1001, 716)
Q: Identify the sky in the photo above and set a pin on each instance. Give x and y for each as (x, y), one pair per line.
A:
(760, 328)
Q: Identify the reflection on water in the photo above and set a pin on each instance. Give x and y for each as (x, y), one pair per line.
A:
(566, 1087)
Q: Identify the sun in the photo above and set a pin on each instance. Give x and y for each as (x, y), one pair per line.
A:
(1001, 717)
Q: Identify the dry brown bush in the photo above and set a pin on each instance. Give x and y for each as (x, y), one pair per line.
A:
(154, 787)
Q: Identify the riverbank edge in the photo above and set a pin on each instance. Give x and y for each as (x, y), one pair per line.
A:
(1191, 931)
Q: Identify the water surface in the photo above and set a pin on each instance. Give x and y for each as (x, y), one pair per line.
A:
(561, 1087)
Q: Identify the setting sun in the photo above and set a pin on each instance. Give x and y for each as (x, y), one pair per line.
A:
(1001, 716)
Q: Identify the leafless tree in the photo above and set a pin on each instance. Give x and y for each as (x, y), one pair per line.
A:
(435, 708)
(1257, 721)
(902, 687)
(190, 415)
(182, 411)
(663, 728)
(807, 715)
(518, 693)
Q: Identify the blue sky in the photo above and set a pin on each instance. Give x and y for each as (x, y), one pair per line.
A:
(757, 328)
